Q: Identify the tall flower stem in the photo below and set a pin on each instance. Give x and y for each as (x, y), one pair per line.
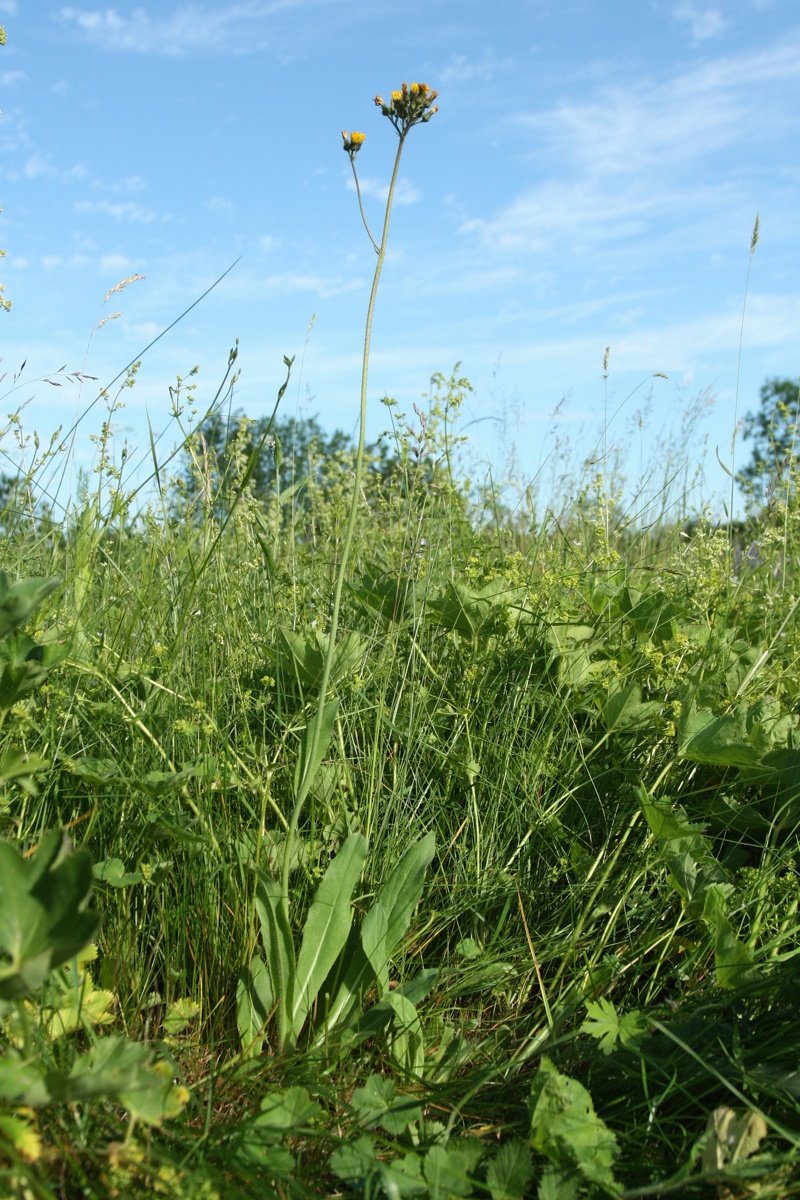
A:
(316, 729)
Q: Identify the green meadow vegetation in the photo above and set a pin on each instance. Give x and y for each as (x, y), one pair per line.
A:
(367, 835)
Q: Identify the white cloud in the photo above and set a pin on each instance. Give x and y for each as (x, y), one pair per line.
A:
(36, 166)
(219, 204)
(9, 79)
(129, 211)
(115, 262)
(8, 8)
(704, 23)
(268, 243)
(404, 192)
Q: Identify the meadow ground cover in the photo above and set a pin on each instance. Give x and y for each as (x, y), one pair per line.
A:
(365, 836)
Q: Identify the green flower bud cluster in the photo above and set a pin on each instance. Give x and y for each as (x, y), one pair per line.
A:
(410, 106)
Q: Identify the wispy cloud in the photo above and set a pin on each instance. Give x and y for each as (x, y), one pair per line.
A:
(646, 157)
(460, 69)
(703, 23)
(238, 28)
(404, 192)
(129, 211)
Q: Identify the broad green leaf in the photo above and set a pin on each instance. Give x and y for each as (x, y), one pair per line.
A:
(18, 600)
(327, 927)
(624, 709)
(730, 1139)
(383, 928)
(120, 1070)
(559, 1183)
(112, 871)
(286, 1110)
(510, 1171)
(42, 917)
(377, 1103)
(18, 764)
(254, 1001)
(401, 892)
(718, 741)
(373, 940)
(449, 1169)
(406, 1042)
(732, 960)
(308, 763)
(566, 1129)
(277, 938)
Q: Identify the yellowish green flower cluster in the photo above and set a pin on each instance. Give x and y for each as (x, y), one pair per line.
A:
(410, 106)
(353, 142)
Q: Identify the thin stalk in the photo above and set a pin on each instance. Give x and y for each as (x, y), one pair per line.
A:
(316, 729)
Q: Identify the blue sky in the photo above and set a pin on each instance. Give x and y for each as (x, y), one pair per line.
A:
(591, 179)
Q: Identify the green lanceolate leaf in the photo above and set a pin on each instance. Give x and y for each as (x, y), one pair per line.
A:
(254, 1001)
(732, 959)
(388, 919)
(327, 927)
(277, 938)
(310, 756)
(383, 928)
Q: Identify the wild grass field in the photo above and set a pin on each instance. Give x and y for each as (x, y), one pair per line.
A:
(368, 835)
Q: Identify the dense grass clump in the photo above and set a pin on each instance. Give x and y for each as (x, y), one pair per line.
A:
(589, 727)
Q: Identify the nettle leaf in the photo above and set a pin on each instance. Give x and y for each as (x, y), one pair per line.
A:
(510, 1171)
(566, 1129)
(357, 1163)
(449, 1169)
(605, 1024)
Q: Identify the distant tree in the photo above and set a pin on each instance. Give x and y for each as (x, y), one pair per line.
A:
(773, 430)
(288, 452)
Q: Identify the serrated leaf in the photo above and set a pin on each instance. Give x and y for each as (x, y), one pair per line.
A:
(449, 1169)
(566, 1129)
(179, 1014)
(510, 1171)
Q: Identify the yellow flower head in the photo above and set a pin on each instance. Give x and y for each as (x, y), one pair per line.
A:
(353, 142)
